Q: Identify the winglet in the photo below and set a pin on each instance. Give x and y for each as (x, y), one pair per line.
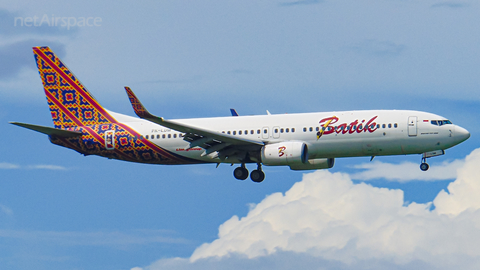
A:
(139, 109)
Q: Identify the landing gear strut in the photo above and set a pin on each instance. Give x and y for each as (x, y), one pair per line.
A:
(257, 175)
(424, 166)
(241, 173)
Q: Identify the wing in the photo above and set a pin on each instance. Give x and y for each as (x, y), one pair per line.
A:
(218, 144)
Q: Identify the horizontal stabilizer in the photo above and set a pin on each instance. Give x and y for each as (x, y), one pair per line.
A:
(49, 130)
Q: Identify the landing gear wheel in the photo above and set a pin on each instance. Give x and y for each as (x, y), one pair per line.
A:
(257, 176)
(424, 166)
(240, 173)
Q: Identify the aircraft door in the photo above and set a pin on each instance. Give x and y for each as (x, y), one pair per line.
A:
(412, 126)
(265, 133)
(110, 139)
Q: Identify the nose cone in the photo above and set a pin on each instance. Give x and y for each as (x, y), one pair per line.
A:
(461, 134)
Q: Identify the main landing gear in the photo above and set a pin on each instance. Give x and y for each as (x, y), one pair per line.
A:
(241, 173)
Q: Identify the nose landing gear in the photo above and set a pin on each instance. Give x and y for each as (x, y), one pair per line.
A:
(424, 166)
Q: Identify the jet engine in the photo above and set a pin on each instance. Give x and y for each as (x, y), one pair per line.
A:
(285, 153)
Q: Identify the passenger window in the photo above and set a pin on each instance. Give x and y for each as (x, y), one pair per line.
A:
(317, 128)
(304, 129)
(293, 130)
(169, 136)
(146, 137)
(311, 129)
(163, 136)
(383, 126)
(246, 132)
(258, 131)
(281, 130)
(239, 132)
(228, 132)
(175, 135)
(276, 130)
(378, 126)
(265, 131)
(234, 132)
(389, 125)
(287, 130)
(223, 132)
(395, 125)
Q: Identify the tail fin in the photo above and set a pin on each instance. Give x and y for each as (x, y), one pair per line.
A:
(70, 102)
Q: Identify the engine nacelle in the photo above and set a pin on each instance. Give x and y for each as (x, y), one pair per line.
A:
(285, 153)
(314, 164)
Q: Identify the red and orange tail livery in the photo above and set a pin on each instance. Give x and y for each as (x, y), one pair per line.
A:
(70, 102)
(82, 124)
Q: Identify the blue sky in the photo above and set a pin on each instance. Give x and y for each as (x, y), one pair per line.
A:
(60, 210)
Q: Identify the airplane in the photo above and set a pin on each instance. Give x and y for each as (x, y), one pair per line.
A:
(302, 141)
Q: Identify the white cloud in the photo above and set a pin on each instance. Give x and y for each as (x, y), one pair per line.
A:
(463, 194)
(407, 171)
(328, 220)
(6, 165)
(48, 167)
(116, 238)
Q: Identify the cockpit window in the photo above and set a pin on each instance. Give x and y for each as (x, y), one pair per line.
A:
(440, 122)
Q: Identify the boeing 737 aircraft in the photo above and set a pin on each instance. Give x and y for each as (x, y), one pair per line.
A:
(304, 141)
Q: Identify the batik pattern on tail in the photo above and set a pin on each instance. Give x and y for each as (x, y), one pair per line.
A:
(129, 145)
(74, 108)
(69, 101)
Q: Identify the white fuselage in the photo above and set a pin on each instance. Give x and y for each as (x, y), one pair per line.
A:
(349, 134)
